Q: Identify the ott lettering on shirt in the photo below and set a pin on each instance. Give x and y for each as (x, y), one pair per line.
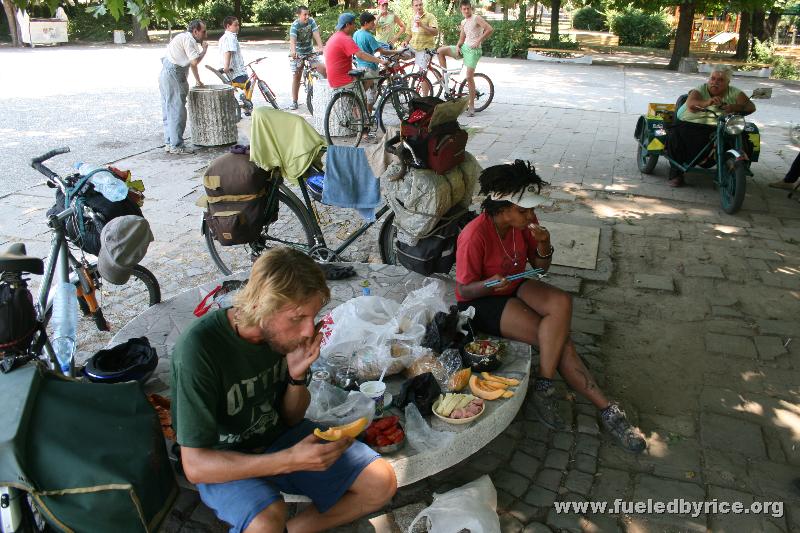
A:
(262, 416)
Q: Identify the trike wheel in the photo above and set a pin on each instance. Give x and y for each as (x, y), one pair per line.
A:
(345, 119)
(645, 161)
(733, 175)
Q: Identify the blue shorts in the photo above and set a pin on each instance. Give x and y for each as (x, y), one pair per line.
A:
(238, 502)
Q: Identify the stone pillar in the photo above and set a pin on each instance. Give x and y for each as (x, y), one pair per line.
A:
(688, 65)
(213, 113)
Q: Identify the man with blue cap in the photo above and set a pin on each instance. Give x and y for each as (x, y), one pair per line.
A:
(340, 49)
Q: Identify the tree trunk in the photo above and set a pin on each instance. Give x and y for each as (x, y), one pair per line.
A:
(13, 28)
(523, 11)
(757, 27)
(237, 9)
(535, 14)
(683, 36)
(743, 46)
(505, 13)
(555, 7)
(771, 24)
(139, 34)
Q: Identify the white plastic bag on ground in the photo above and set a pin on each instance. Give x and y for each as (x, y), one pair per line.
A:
(419, 433)
(472, 507)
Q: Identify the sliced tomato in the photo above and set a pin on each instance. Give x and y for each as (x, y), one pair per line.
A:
(383, 441)
(386, 422)
(396, 436)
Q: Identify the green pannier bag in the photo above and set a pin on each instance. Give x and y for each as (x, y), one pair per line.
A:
(91, 455)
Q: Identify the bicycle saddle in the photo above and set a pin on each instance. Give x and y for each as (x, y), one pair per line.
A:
(357, 73)
(15, 260)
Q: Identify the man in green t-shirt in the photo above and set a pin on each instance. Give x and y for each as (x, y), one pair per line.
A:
(238, 400)
(691, 133)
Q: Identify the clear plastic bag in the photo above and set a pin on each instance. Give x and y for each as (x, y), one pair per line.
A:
(451, 363)
(332, 406)
(418, 309)
(472, 507)
(419, 433)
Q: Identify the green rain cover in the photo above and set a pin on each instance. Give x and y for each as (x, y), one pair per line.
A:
(92, 455)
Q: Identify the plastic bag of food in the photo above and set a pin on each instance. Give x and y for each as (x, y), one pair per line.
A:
(419, 433)
(450, 362)
(418, 309)
(365, 321)
(471, 507)
(332, 406)
(422, 390)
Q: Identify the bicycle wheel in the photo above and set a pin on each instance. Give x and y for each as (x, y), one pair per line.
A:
(119, 304)
(417, 82)
(387, 239)
(267, 93)
(484, 91)
(399, 109)
(733, 183)
(310, 98)
(290, 227)
(436, 79)
(345, 119)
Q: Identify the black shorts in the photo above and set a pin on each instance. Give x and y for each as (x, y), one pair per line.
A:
(488, 311)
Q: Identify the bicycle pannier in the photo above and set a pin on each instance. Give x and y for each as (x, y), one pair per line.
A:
(17, 318)
(434, 134)
(236, 199)
(86, 233)
(437, 251)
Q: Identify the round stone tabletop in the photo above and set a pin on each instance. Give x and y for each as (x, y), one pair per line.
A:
(162, 324)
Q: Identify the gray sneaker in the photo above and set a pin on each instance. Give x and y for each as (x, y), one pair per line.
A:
(547, 408)
(167, 148)
(182, 150)
(629, 437)
(293, 106)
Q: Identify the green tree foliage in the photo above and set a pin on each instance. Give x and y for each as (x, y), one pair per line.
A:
(639, 28)
(589, 18)
(274, 11)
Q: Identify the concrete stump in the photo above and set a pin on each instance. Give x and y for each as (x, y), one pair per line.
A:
(688, 65)
(213, 115)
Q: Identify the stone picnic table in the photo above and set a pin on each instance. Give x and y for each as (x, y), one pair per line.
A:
(163, 323)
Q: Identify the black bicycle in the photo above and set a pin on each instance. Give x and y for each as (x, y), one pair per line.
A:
(298, 222)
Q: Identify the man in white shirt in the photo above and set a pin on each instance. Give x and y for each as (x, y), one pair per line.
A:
(231, 55)
(184, 51)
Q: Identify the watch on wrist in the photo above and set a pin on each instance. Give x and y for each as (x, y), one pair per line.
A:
(297, 382)
(548, 255)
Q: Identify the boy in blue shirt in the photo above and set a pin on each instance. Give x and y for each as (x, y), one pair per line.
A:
(365, 39)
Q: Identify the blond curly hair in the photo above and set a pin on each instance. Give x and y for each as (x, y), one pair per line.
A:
(279, 277)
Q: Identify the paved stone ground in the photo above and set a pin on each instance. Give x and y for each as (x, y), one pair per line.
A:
(687, 321)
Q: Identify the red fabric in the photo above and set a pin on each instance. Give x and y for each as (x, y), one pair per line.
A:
(339, 52)
(479, 255)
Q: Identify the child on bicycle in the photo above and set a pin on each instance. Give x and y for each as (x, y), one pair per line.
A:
(231, 54)
(367, 42)
(474, 30)
(301, 33)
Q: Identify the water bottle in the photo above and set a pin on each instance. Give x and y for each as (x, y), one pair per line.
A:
(106, 183)
(65, 323)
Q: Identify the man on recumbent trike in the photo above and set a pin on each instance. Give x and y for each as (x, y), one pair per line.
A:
(708, 130)
(697, 118)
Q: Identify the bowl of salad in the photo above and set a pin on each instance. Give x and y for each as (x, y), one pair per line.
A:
(482, 355)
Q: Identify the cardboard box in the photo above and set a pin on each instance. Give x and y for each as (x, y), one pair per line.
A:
(665, 112)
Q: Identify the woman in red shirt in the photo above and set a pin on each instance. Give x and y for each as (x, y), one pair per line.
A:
(502, 241)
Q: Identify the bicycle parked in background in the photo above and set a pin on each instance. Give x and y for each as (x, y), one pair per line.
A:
(346, 118)
(246, 88)
(431, 80)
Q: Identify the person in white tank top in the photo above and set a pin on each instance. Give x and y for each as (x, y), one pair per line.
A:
(474, 30)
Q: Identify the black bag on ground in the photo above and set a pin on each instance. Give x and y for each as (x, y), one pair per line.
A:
(236, 199)
(17, 318)
(437, 251)
(87, 236)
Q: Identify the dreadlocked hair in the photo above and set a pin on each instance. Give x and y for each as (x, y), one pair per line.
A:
(506, 179)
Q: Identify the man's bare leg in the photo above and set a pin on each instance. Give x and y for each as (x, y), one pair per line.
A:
(270, 520)
(371, 490)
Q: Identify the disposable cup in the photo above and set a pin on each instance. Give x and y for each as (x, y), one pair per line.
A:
(376, 391)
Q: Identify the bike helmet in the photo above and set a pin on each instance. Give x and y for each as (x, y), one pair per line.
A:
(129, 361)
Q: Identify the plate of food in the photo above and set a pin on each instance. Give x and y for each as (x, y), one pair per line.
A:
(458, 408)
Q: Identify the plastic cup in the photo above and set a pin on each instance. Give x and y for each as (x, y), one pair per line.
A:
(374, 390)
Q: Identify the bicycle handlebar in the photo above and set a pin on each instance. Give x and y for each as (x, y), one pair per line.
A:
(36, 162)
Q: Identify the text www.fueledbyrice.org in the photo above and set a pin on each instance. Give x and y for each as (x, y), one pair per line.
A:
(678, 506)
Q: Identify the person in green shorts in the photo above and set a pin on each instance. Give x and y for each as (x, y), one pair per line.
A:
(474, 30)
